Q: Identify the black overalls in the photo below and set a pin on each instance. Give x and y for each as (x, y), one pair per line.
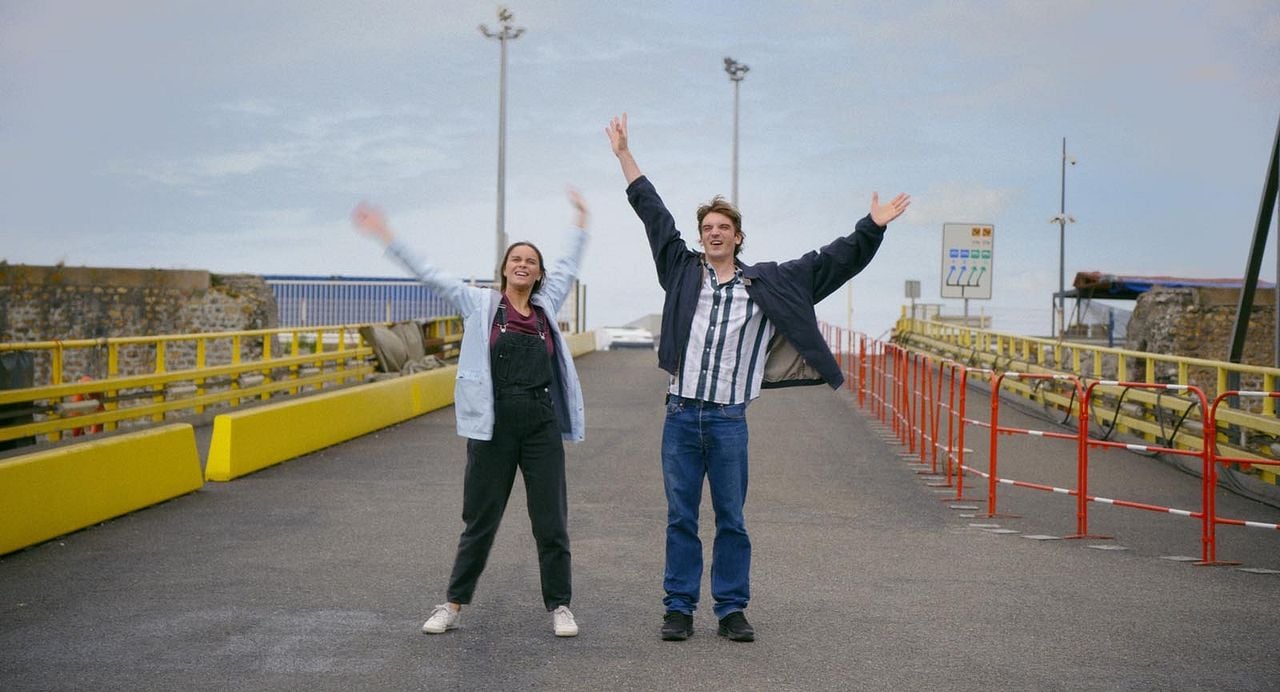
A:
(526, 434)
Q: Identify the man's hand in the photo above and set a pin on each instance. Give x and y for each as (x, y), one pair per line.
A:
(371, 222)
(882, 214)
(617, 131)
(580, 205)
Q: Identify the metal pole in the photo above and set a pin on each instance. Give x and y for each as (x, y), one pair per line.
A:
(736, 71)
(506, 33)
(848, 315)
(1270, 193)
(736, 84)
(1062, 245)
(1062, 220)
(502, 154)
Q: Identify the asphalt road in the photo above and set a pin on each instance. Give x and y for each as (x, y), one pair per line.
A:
(317, 574)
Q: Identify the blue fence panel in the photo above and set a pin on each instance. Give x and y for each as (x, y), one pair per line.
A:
(308, 301)
(313, 301)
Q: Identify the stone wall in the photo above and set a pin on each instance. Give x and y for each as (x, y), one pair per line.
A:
(68, 303)
(1198, 323)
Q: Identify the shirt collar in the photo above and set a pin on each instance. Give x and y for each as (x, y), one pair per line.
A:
(711, 274)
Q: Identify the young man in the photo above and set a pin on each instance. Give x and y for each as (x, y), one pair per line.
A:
(728, 329)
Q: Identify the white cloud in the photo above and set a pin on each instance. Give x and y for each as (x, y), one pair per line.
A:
(250, 107)
(346, 150)
(240, 163)
(958, 202)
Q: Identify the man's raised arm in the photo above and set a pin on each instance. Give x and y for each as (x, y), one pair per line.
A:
(617, 131)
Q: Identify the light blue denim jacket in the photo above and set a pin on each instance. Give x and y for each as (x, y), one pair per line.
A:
(473, 389)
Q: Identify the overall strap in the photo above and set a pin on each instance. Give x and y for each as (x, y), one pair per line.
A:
(502, 320)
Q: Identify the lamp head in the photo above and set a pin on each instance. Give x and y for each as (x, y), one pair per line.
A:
(735, 69)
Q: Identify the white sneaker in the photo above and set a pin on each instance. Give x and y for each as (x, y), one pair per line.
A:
(443, 618)
(565, 625)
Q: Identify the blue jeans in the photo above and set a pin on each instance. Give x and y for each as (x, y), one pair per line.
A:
(705, 440)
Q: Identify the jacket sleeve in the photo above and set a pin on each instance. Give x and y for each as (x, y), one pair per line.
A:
(668, 248)
(828, 268)
(465, 299)
(559, 278)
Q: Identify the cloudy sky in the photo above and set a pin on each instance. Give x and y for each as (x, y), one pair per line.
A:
(236, 136)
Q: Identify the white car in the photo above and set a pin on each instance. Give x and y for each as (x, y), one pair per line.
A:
(626, 337)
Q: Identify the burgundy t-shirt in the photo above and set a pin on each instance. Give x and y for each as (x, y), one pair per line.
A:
(524, 324)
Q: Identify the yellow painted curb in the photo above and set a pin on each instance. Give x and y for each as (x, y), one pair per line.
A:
(47, 494)
(251, 440)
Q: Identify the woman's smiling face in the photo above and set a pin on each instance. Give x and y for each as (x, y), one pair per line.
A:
(522, 268)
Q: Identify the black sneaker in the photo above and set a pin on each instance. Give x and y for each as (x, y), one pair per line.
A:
(677, 626)
(736, 628)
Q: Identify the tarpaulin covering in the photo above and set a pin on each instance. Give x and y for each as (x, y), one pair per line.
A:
(1122, 287)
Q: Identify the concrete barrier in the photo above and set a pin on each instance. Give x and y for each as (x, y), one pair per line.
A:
(253, 439)
(47, 494)
(584, 342)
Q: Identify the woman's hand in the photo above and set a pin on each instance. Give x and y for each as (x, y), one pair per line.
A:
(580, 205)
(370, 221)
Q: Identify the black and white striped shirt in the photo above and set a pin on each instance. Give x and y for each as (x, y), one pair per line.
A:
(724, 359)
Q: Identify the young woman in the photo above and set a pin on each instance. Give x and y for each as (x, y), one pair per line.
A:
(516, 398)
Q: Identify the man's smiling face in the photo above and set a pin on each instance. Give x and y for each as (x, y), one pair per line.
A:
(718, 236)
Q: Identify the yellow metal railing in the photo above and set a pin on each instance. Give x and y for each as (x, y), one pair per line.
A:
(128, 381)
(444, 333)
(1249, 427)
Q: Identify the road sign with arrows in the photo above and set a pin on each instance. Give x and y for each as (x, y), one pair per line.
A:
(967, 260)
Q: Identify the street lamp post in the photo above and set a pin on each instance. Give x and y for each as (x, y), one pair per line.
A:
(1062, 219)
(504, 34)
(736, 72)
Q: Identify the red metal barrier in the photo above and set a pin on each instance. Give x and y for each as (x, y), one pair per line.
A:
(1210, 553)
(929, 395)
(954, 368)
(862, 370)
(961, 417)
(910, 391)
(925, 394)
(992, 475)
(920, 391)
(923, 409)
(904, 391)
(876, 379)
(850, 376)
(936, 395)
(1083, 498)
(883, 382)
(899, 378)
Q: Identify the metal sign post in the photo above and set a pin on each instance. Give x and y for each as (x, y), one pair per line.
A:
(912, 290)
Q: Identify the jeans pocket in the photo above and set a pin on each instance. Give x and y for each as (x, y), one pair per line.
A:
(734, 411)
(674, 406)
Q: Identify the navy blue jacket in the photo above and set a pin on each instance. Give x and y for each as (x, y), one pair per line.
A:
(786, 292)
